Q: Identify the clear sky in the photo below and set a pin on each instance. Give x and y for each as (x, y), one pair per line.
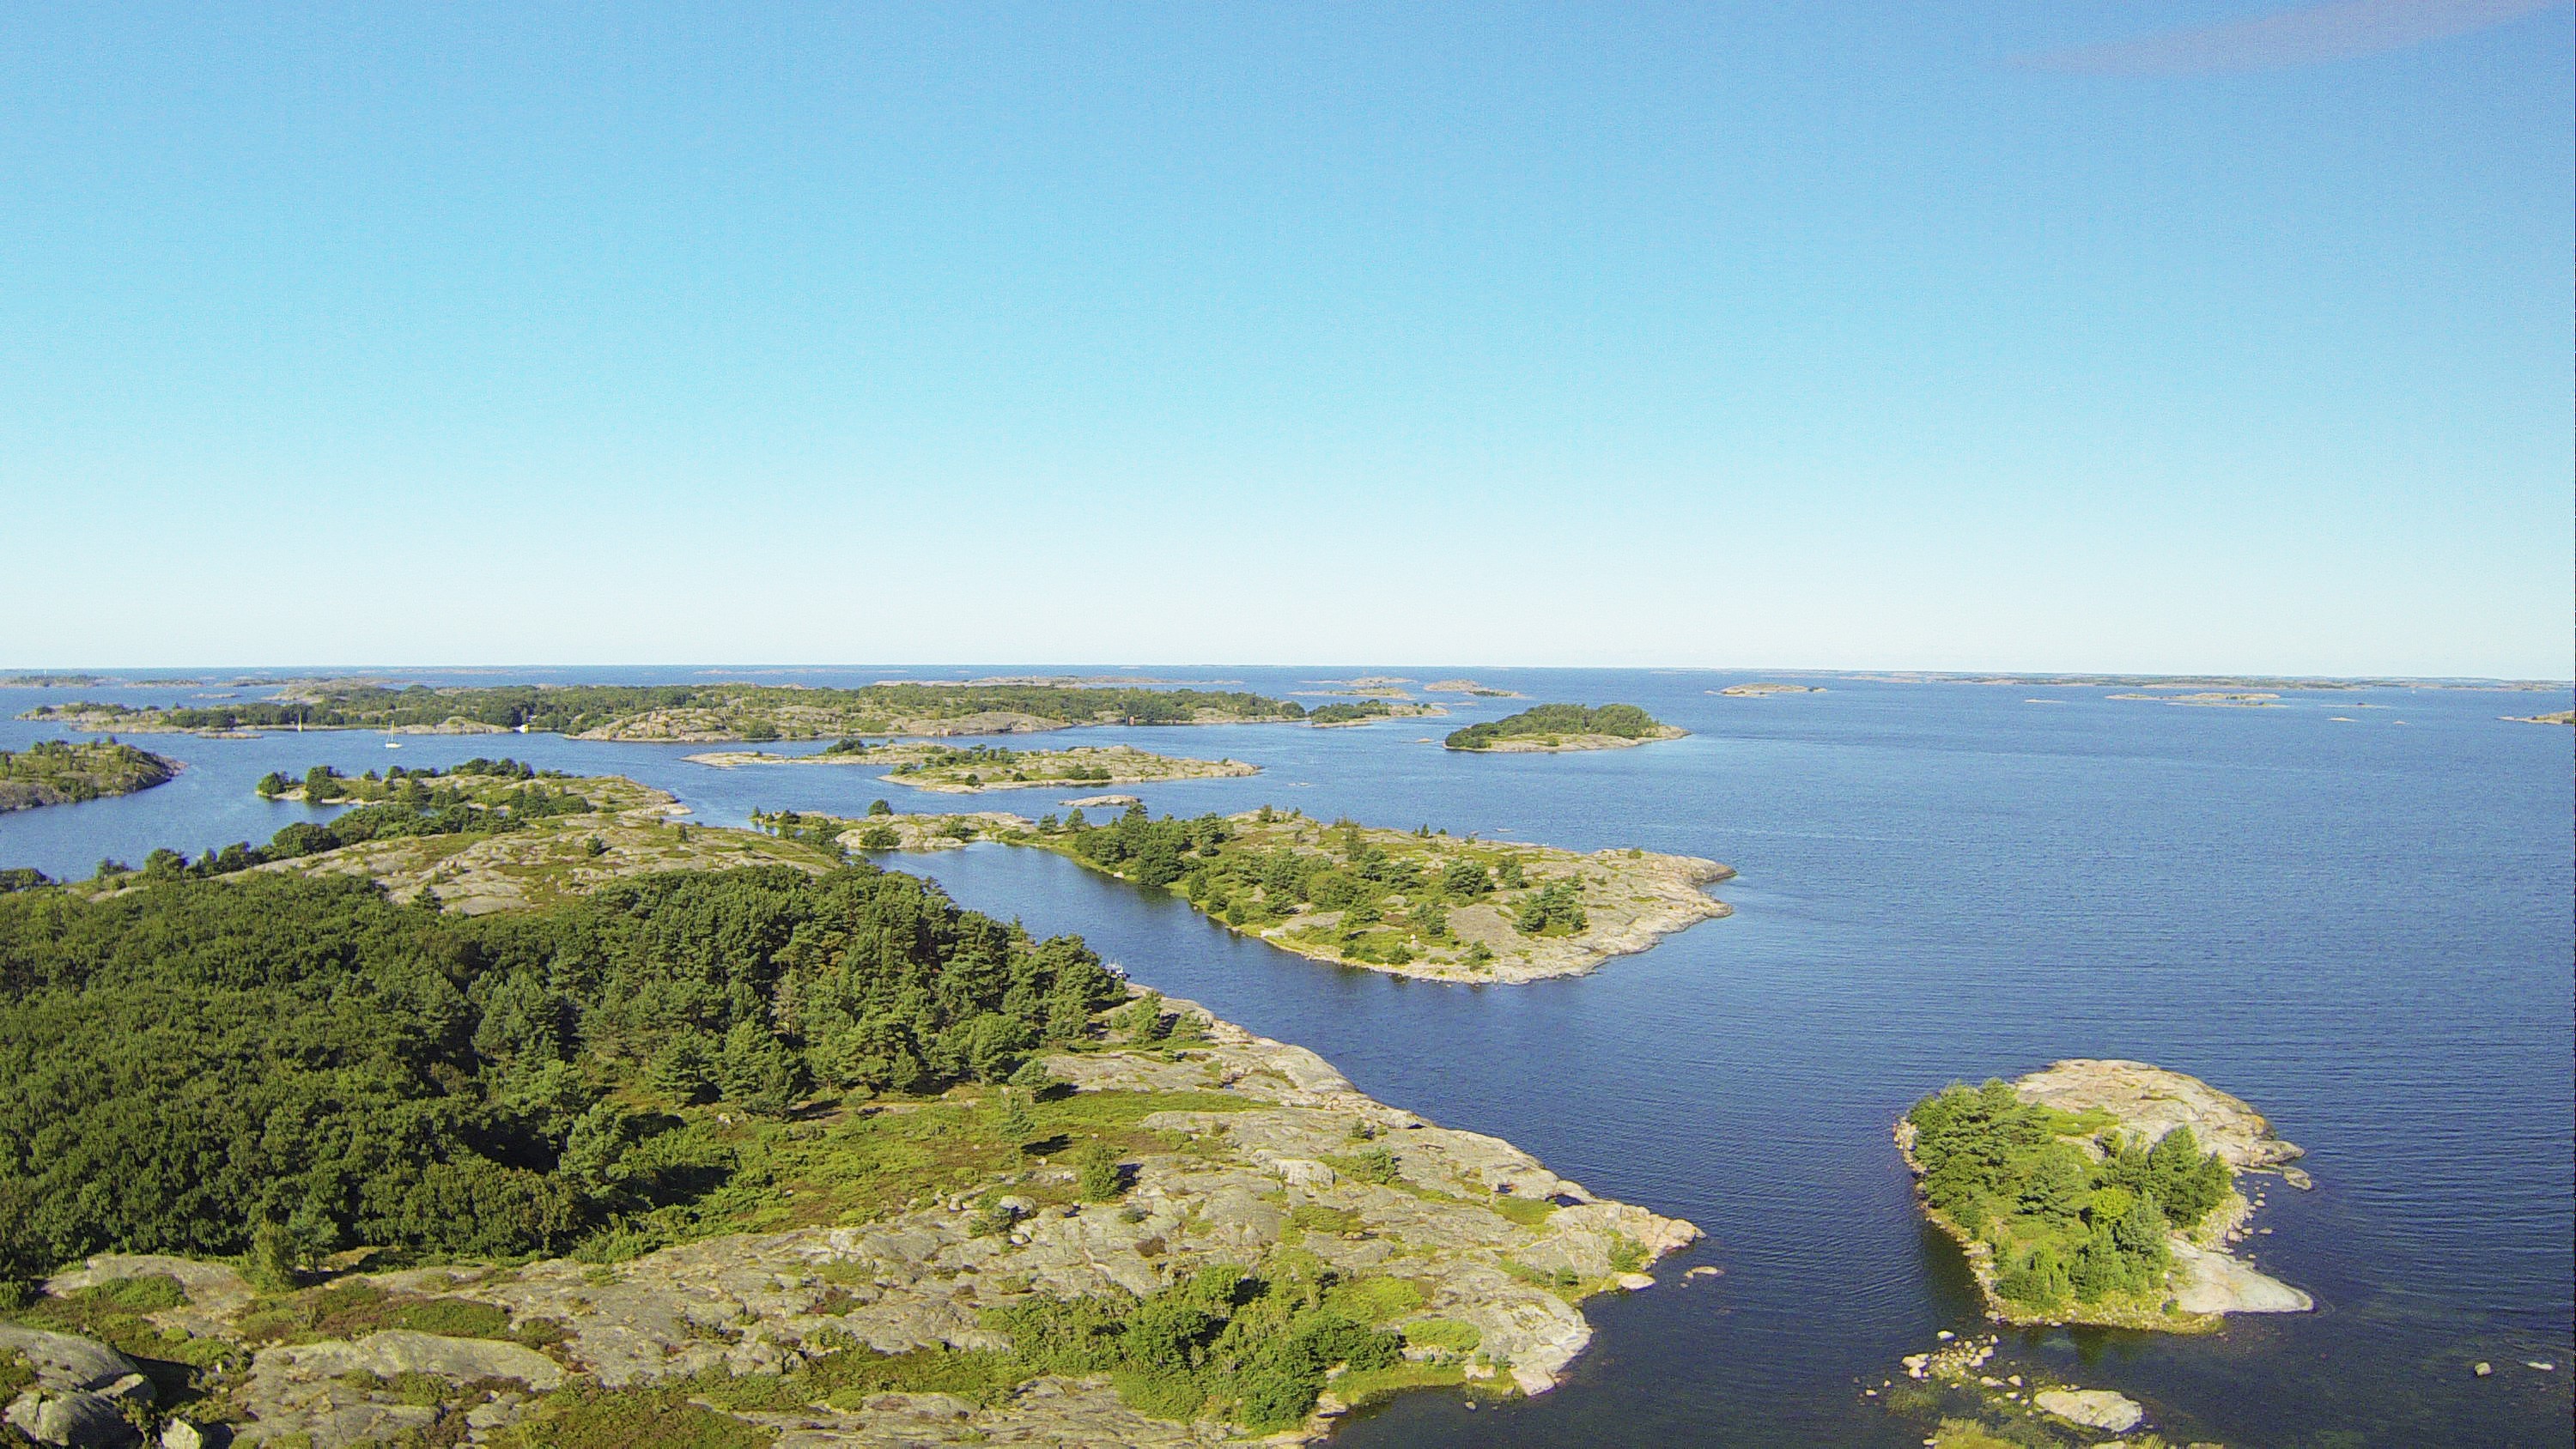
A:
(2051, 335)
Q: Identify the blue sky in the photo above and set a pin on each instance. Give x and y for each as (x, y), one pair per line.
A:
(2112, 336)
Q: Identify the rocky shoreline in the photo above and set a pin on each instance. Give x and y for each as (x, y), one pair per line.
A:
(1485, 1253)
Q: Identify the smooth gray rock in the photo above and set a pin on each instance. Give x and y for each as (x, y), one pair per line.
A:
(72, 1421)
(65, 1363)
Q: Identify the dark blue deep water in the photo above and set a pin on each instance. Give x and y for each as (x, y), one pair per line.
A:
(2360, 924)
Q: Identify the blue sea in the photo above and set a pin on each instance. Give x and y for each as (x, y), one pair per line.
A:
(2351, 908)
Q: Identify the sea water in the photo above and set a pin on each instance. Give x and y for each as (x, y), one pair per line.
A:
(2351, 908)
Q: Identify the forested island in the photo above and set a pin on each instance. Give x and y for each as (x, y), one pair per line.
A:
(1409, 903)
(2099, 1192)
(1561, 727)
(68, 772)
(687, 1158)
(1361, 711)
(689, 712)
(971, 769)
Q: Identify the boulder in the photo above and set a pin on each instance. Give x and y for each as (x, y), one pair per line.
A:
(2205, 1281)
(2092, 1408)
(74, 1420)
(66, 1363)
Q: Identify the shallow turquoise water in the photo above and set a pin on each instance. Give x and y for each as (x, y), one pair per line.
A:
(2362, 927)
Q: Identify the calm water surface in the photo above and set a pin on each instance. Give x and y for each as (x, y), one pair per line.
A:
(2361, 925)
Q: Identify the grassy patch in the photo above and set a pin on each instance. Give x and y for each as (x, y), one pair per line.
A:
(1315, 1217)
(848, 1376)
(587, 1416)
(1443, 1333)
(1373, 1300)
(1527, 1212)
(355, 1309)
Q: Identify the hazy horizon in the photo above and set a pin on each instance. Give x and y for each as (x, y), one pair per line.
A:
(2226, 338)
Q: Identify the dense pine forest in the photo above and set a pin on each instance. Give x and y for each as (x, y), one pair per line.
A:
(295, 1063)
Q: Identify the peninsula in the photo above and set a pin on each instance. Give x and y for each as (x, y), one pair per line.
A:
(873, 1166)
(68, 772)
(2100, 1192)
(689, 712)
(1408, 903)
(1556, 728)
(2562, 717)
(972, 769)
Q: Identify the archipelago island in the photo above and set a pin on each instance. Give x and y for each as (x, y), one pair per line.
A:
(1558, 728)
(2100, 1192)
(709, 713)
(1408, 903)
(68, 772)
(972, 769)
(566, 1172)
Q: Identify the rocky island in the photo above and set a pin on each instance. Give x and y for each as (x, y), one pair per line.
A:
(1764, 691)
(972, 769)
(2210, 699)
(799, 1154)
(691, 712)
(68, 772)
(2100, 1192)
(1558, 728)
(1409, 903)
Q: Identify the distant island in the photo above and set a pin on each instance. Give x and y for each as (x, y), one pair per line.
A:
(1757, 691)
(2229, 699)
(1362, 711)
(1408, 903)
(970, 769)
(1471, 687)
(56, 681)
(2099, 1192)
(689, 712)
(725, 1129)
(2562, 717)
(1562, 727)
(68, 772)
